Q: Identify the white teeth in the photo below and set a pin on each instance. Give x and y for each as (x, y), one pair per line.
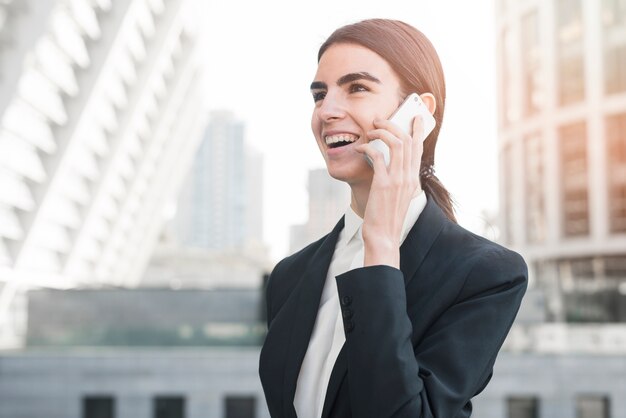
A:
(340, 138)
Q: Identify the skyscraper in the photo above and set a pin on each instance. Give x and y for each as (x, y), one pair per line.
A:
(99, 106)
(221, 203)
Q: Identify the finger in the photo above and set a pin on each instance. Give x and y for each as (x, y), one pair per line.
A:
(377, 158)
(418, 145)
(406, 139)
(396, 146)
(392, 127)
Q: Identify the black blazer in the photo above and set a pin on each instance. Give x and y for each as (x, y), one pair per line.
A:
(420, 341)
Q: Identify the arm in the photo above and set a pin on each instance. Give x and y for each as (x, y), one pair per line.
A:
(389, 376)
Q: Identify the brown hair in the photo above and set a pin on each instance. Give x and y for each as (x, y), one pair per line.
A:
(415, 61)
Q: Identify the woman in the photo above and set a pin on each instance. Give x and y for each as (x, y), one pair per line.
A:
(398, 311)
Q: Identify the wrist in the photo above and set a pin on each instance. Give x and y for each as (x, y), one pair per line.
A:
(381, 252)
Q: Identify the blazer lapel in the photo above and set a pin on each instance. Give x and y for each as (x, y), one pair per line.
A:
(412, 252)
(421, 237)
(307, 301)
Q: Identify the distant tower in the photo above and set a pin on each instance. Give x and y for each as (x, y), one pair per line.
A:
(328, 201)
(221, 204)
(562, 77)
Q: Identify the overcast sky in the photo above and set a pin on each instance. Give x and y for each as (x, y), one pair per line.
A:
(261, 59)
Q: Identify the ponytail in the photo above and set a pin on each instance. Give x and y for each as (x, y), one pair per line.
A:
(436, 191)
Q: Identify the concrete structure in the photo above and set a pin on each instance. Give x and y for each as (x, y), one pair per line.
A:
(563, 150)
(99, 109)
(558, 370)
(128, 353)
(132, 383)
(145, 317)
(536, 385)
(328, 201)
(178, 267)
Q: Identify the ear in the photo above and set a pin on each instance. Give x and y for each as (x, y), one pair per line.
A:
(429, 101)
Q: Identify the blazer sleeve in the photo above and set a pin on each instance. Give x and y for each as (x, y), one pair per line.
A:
(452, 362)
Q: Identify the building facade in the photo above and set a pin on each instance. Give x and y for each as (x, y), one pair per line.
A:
(562, 128)
(562, 67)
(99, 109)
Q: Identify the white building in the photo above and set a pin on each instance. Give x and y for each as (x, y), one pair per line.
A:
(562, 67)
(562, 83)
(99, 110)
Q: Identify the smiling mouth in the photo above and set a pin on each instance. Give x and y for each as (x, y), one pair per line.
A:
(336, 141)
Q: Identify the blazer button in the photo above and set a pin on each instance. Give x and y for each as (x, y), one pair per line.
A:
(348, 325)
(346, 300)
(346, 313)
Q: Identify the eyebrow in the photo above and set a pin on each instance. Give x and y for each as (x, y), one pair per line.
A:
(348, 78)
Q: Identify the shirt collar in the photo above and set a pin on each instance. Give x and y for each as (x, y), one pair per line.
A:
(353, 222)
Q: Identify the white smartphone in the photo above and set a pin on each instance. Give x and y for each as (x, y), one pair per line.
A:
(403, 117)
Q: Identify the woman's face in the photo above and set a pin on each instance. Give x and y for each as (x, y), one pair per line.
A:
(352, 87)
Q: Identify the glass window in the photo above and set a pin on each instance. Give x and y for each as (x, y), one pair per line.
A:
(531, 64)
(509, 207)
(534, 176)
(589, 289)
(523, 407)
(98, 407)
(615, 69)
(240, 407)
(571, 73)
(592, 406)
(616, 166)
(169, 407)
(583, 268)
(614, 13)
(615, 267)
(614, 22)
(510, 110)
(586, 305)
(574, 183)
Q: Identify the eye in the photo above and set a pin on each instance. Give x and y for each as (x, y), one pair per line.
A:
(357, 87)
(318, 95)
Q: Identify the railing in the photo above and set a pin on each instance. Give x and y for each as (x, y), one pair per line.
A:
(567, 338)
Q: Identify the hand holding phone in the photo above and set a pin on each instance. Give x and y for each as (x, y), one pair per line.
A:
(410, 108)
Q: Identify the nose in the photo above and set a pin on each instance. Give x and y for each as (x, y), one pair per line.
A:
(331, 108)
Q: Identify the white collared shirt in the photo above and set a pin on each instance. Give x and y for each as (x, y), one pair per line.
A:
(328, 335)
